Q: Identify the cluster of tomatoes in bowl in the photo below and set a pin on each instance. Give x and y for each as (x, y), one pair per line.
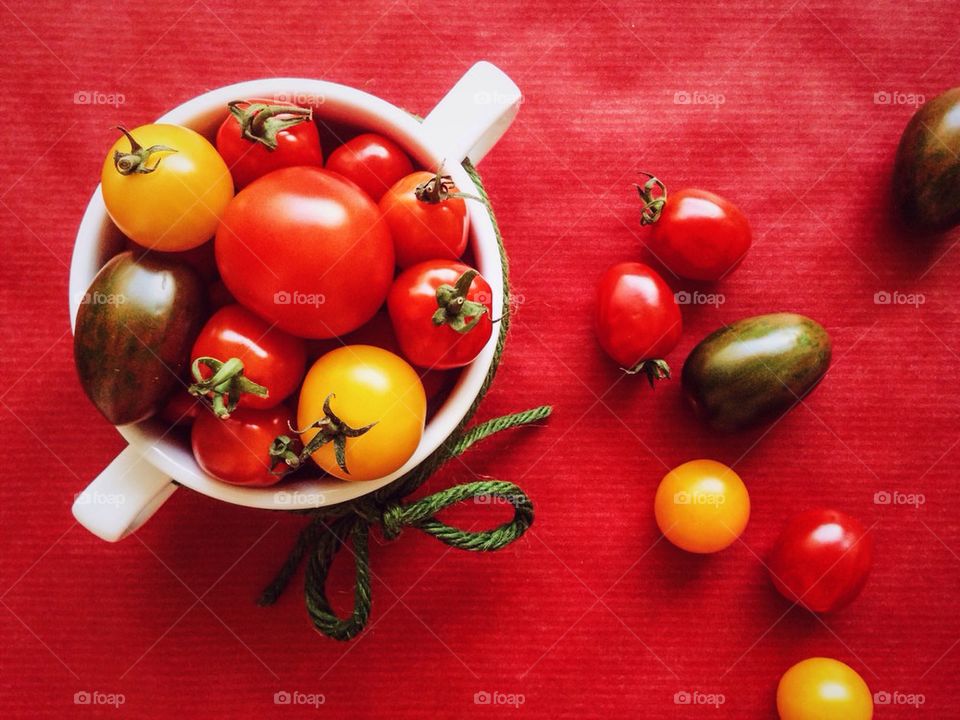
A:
(290, 308)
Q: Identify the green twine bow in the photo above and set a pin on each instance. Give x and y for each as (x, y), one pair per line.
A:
(329, 529)
(323, 537)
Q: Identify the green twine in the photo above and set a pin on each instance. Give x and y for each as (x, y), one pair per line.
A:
(332, 527)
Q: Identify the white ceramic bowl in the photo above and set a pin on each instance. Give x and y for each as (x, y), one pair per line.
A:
(466, 123)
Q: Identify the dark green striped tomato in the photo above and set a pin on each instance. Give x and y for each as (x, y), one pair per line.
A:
(926, 174)
(755, 369)
(135, 327)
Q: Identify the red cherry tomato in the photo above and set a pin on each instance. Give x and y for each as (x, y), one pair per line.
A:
(372, 162)
(426, 218)
(271, 358)
(637, 320)
(441, 313)
(303, 248)
(696, 234)
(821, 560)
(181, 409)
(260, 136)
(237, 450)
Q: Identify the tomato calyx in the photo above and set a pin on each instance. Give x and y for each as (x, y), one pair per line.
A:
(330, 428)
(225, 386)
(454, 310)
(654, 195)
(439, 188)
(136, 161)
(260, 122)
(654, 370)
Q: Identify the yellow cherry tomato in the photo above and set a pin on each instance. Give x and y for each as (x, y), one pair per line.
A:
(823, 689)
(378, 406)
(702, 506)
(167, 188)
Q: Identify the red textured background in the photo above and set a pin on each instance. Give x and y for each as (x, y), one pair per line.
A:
(588, 615)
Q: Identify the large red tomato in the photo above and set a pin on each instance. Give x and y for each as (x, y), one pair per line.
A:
(821, 560)
(304, 248)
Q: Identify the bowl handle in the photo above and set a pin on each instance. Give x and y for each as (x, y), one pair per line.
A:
(470, 118)
(123, 497)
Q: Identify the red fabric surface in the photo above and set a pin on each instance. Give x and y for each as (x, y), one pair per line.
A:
(588, 615)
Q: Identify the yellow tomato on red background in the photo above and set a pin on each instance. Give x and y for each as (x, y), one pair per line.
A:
(823, 689)
(369, 385)
(702, 506)
(169, 190)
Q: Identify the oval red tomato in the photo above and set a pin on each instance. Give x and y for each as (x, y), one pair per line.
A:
(427, 220)
(304, 249)
(696, 234)
(260, 136)
(271, 358)
(441, 313)
(237, 450)
(371, 161)
(821, 559)
(637, 320)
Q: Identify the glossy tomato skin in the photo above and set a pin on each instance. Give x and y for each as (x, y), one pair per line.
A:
(702, 506)
(700, 235)
(821, 560)
(249, 159)
(412, 303)
(926, 193)
(271, 357)
(134, 330)
(236, 450)
(636, 316)
(371, 161)
(370, 385)
(822, 688)
(424, 230)
(159, 209)
(379, 332)
(304, 249)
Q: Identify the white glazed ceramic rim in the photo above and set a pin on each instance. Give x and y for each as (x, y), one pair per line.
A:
(98, 240)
